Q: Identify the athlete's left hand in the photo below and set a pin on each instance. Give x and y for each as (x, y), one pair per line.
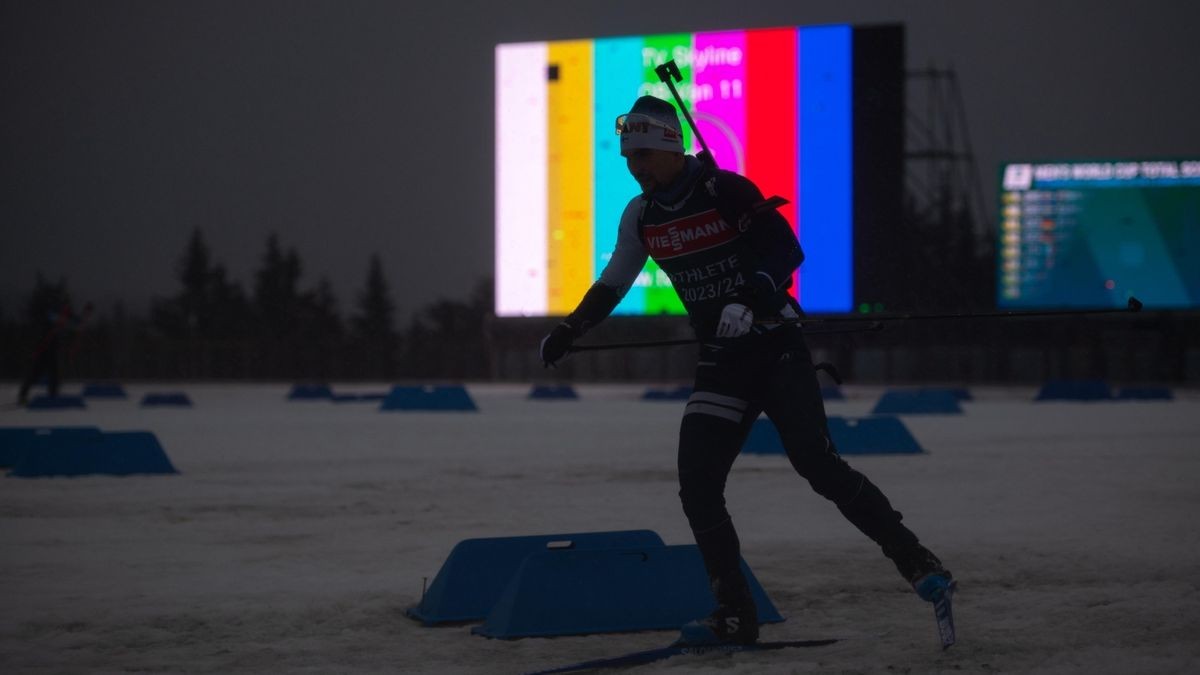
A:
(557, 344)
(736, 320)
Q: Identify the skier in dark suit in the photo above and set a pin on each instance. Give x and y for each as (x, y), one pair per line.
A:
(58, 324)
(730, 256)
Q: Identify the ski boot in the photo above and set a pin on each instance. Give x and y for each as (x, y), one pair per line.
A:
(929, 578)
(933, 586)
(734, 621)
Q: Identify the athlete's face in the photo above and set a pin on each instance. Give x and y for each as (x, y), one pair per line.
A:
(653, 169)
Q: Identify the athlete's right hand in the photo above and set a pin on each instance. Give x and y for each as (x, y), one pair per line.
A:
(736, 320)
(557, 344)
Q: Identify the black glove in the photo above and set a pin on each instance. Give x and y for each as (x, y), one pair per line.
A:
(557, 343)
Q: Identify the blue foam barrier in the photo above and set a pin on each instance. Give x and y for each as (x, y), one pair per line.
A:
(1074, 390)
(581, 592)
(15, 442)
(477, 571)
(168, 398)
(1145, 394)
(428, 398)
(56, 402)
(103, 390)
(310, 392)
(763, 439)
(917, 402)
(359, 398)
(680, 393)
(832, 393)
(121, 453)
(553, 392)
(876, 435)
(960, 393)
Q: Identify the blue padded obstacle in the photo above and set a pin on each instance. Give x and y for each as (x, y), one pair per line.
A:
(1074, 390)
(55, 402)
(310, 392)
(961, 393)
(15, 442)
(168, 398)
(680, 393)
(580, 592)
(359, 398)
(477, 571)
(917, 402)
(118, 453)
(438, 398)
(1145, 394)
(763, 439)
(553, 392)
(832, 393)
(876, 435)
(103, 390)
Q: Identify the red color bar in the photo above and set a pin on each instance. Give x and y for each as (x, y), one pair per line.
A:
(771, 118)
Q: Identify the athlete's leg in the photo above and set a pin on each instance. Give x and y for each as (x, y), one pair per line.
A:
(795, 405)
(38, 368)
(714, 426)
(52, 371)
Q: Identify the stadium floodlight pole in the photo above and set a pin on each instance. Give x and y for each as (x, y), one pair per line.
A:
(669, 74)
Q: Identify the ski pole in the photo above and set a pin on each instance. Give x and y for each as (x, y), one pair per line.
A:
(630, 345)
(691, 341)
(669, 74)
(1134, 305)
(874, 323)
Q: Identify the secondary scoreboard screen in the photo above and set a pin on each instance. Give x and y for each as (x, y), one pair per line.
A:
(1092, 234)
(776, 105)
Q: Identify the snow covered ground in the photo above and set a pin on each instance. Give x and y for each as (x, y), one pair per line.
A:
(297, 533)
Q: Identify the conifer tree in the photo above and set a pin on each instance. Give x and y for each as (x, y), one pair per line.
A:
(372, 324)
(376, 311)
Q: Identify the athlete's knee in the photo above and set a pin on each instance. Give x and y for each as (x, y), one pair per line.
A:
(828, 474)
(710, 437)
(702, 495)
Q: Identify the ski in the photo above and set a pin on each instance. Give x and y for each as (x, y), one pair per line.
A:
(652, 655)
(944, 613)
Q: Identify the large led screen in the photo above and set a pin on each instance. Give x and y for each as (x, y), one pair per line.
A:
(1092, 234)
(776, 105)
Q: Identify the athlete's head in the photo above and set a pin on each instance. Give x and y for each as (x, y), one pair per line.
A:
(652, 143)
(651, 123)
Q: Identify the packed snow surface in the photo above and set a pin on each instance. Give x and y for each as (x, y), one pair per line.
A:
(297, 533)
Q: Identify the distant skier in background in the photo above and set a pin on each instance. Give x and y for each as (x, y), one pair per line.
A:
(59, 324)
(730, 256)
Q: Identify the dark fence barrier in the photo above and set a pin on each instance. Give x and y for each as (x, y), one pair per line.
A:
(1143, 348)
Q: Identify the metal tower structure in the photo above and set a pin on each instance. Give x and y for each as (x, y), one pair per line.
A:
(941, 175)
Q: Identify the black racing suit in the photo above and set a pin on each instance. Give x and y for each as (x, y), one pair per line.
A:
(721, 243)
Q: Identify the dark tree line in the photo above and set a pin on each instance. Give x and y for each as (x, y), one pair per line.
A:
(211, 327)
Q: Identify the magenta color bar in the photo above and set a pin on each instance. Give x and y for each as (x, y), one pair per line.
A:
(719, 95)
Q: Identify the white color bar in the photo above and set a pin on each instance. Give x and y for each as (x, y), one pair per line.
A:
(521, 199)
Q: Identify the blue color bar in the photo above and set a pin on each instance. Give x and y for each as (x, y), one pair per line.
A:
(826, 213)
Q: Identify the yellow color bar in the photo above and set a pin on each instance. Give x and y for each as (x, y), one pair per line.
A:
(569, 174)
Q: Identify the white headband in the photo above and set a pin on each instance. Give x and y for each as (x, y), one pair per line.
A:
(639, 130)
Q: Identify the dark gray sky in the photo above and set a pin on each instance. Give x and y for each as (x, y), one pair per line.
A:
(353, 127)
